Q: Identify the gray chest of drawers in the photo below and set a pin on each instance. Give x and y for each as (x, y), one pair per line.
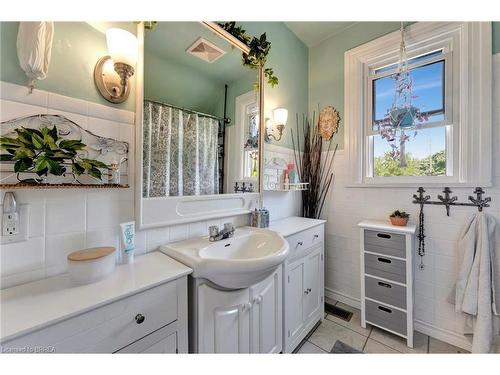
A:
(387, 277)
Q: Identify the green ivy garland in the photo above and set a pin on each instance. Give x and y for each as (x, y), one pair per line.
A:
(259, 49)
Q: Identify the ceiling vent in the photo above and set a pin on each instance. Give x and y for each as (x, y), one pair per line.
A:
(205, 50)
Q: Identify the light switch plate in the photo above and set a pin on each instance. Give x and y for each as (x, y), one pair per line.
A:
(22, 229)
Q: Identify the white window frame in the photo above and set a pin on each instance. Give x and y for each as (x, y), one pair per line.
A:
(236, 141)
(468, 120)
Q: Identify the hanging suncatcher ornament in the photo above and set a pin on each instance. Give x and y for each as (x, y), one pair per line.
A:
(401, 118)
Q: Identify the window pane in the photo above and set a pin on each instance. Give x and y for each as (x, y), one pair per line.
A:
(252, 131)
(425, 155)
(428, 93)
(413, 60)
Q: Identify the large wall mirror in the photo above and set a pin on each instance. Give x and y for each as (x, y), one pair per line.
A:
(198, 120)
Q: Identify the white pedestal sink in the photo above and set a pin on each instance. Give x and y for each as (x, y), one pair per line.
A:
(248, 257)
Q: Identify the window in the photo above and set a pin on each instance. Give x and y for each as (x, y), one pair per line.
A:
(251, 154)
(242, 141)
(449, 69)
(423, 151)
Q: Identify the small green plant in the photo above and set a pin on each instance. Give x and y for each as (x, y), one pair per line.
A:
(259, 49)
(401, 214)
(43, 152)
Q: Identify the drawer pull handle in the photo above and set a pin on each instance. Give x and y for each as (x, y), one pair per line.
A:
(384, 235)
(300, 243)
(316, 236)
(139, 318)
(385, 309)
(385, 285)
(384, 260)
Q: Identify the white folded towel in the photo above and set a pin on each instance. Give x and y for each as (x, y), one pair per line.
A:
(477, 290)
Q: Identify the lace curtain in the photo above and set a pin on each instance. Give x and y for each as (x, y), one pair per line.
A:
(179, 152)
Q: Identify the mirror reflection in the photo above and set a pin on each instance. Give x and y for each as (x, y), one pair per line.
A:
(200, 120)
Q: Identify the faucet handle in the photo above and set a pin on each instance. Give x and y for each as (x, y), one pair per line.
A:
(213, 230)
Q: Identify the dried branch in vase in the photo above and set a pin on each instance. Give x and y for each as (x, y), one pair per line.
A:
(313, 167)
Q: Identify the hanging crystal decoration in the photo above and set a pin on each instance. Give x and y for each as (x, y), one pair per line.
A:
(400, 118)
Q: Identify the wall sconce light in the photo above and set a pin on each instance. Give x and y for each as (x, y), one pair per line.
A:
(112, 73)
(280, 116)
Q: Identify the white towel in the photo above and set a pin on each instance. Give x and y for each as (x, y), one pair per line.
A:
(34, 45)
(477, 293)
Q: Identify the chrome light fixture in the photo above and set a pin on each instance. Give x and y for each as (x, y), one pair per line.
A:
(112, 72)
(280, 116)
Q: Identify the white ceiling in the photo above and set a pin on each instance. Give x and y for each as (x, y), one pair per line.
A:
(312, 33)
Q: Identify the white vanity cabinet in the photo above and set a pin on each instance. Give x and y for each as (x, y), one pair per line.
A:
(245, 320)
(303, 280)
(140, 308)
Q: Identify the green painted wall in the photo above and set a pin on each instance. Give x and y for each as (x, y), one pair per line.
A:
(289, 58)
(76, 48)
(496, 36)
(326, 64)
(171, 83)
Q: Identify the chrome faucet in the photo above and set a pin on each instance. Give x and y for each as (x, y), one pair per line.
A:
(216, 235)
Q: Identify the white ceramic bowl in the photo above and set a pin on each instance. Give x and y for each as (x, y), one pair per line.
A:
(91, 265)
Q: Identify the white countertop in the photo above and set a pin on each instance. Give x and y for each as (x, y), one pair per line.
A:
(293, 224)
(38, 304)
(387, 226)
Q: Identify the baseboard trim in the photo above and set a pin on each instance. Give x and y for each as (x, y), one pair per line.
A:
(447, 336)
(344, 298)
(441, 334)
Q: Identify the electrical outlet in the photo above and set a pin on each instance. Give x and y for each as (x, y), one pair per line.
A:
(10, 224)
(15, 225)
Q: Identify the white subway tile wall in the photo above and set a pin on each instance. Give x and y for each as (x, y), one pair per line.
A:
(348, 206)
(61, 221)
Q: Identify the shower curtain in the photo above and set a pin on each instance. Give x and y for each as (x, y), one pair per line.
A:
(179, 152)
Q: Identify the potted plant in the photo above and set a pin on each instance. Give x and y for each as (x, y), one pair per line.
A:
(399, 218)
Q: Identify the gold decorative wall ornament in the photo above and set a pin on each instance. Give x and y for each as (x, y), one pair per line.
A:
(329, 119)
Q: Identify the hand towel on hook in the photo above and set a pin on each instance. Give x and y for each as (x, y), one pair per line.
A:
(477, 290)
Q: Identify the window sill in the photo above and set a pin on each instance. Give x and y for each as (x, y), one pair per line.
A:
(413, 185)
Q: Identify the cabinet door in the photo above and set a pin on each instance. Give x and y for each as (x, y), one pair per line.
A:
(266, 315)
(223, 320)
(294, 300)
(313, 302)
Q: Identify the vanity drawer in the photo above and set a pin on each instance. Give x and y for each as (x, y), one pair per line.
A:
(110, 327)
(385, 243)
(385, 267)
(386, 317)
(302, 241)
(161, 341)
(385, 291)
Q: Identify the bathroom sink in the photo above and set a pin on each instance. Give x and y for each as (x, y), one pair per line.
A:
(238, 262)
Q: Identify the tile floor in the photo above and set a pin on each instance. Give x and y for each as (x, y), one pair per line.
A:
(368, 340)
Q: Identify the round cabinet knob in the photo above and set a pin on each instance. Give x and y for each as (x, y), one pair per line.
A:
(308, 290)
(300, 243)
(316, 236)
(139, 318)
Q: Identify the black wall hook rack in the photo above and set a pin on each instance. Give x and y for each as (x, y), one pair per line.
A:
(447, 200)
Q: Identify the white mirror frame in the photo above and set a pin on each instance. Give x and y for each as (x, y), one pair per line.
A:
(164, 211)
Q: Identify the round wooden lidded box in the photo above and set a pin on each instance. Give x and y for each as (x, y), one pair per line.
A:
(90, 265)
